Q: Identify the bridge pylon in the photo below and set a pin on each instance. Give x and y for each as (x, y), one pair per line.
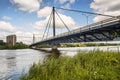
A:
(53, 12)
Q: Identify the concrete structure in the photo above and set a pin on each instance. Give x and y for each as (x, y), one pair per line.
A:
(11, 39)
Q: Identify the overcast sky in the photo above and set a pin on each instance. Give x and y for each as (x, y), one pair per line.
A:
(27, 17)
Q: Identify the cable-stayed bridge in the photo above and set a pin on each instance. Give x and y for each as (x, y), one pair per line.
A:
(106, 30)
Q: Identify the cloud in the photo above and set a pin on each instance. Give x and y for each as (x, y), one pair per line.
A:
(39, 25)
(27, 37)
(67, 6)
(67, 19)
(6, 18)
(44, 12)
(72, 1)
(6, 26)
(23, 36)
(109, 7)
(64, 1)
(42, 23)
(27, 5)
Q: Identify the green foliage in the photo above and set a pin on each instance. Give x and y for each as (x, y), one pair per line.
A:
(43, 46)
(16, 46)
(1, 42)
(95, 65)
(87, 44)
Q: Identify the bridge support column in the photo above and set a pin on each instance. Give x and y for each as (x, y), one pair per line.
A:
(55, 52)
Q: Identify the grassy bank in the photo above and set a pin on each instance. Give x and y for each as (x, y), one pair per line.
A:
(95, 65)
(79, 45)
(87, 44)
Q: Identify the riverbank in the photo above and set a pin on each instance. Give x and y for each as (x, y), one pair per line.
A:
(87, 44)
(93, 65)
(16, 46)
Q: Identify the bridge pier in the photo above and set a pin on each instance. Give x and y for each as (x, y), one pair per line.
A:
(55, 52)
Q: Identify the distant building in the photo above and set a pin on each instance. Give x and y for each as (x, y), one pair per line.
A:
(11, 39)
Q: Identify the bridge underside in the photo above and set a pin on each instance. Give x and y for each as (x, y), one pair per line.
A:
(103, 32)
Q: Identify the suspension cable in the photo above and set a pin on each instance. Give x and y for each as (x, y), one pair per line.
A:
(47, 25)
(62, 21)
(86, 12)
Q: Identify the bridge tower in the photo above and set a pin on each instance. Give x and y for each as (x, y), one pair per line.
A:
(53, 12)
(33, 38)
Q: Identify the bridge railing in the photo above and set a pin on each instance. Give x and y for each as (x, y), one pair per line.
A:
(88, 27)
(96, 25)
(91, 26)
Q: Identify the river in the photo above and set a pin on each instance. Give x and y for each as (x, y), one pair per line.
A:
(14, 62)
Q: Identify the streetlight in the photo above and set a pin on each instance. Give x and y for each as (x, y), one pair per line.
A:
(87, 19)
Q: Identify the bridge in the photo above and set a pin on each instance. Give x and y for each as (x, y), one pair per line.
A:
(106, 30)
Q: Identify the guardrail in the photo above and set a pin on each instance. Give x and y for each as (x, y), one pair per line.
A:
(88, 27)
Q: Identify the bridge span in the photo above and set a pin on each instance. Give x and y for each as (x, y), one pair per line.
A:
(106, 30)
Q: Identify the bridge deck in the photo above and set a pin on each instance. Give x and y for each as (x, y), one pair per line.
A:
(102, 28)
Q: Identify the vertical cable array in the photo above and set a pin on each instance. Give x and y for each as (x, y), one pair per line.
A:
(47, 26)
(52, 18)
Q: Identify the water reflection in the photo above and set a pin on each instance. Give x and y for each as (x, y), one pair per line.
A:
(11, 59)
(14, 62)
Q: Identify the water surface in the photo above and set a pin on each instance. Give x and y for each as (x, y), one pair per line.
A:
(14, 62)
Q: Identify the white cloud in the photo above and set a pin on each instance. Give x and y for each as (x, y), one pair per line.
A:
(22, 35)
(108, 7)
(27, 5)
(27, 37)
(72, 1)
(67, 6)
(47, 10)
(44, 12)
(6, 26)
(64, 1)
(67, 19)
(6, 18)
(40, 24)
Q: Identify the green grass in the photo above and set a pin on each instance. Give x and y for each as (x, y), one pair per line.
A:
(87, 44)
(94, 65)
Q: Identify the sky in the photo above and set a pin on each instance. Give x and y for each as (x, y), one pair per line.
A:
(27, 17)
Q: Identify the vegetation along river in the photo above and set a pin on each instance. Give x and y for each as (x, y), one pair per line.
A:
(14, 62)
